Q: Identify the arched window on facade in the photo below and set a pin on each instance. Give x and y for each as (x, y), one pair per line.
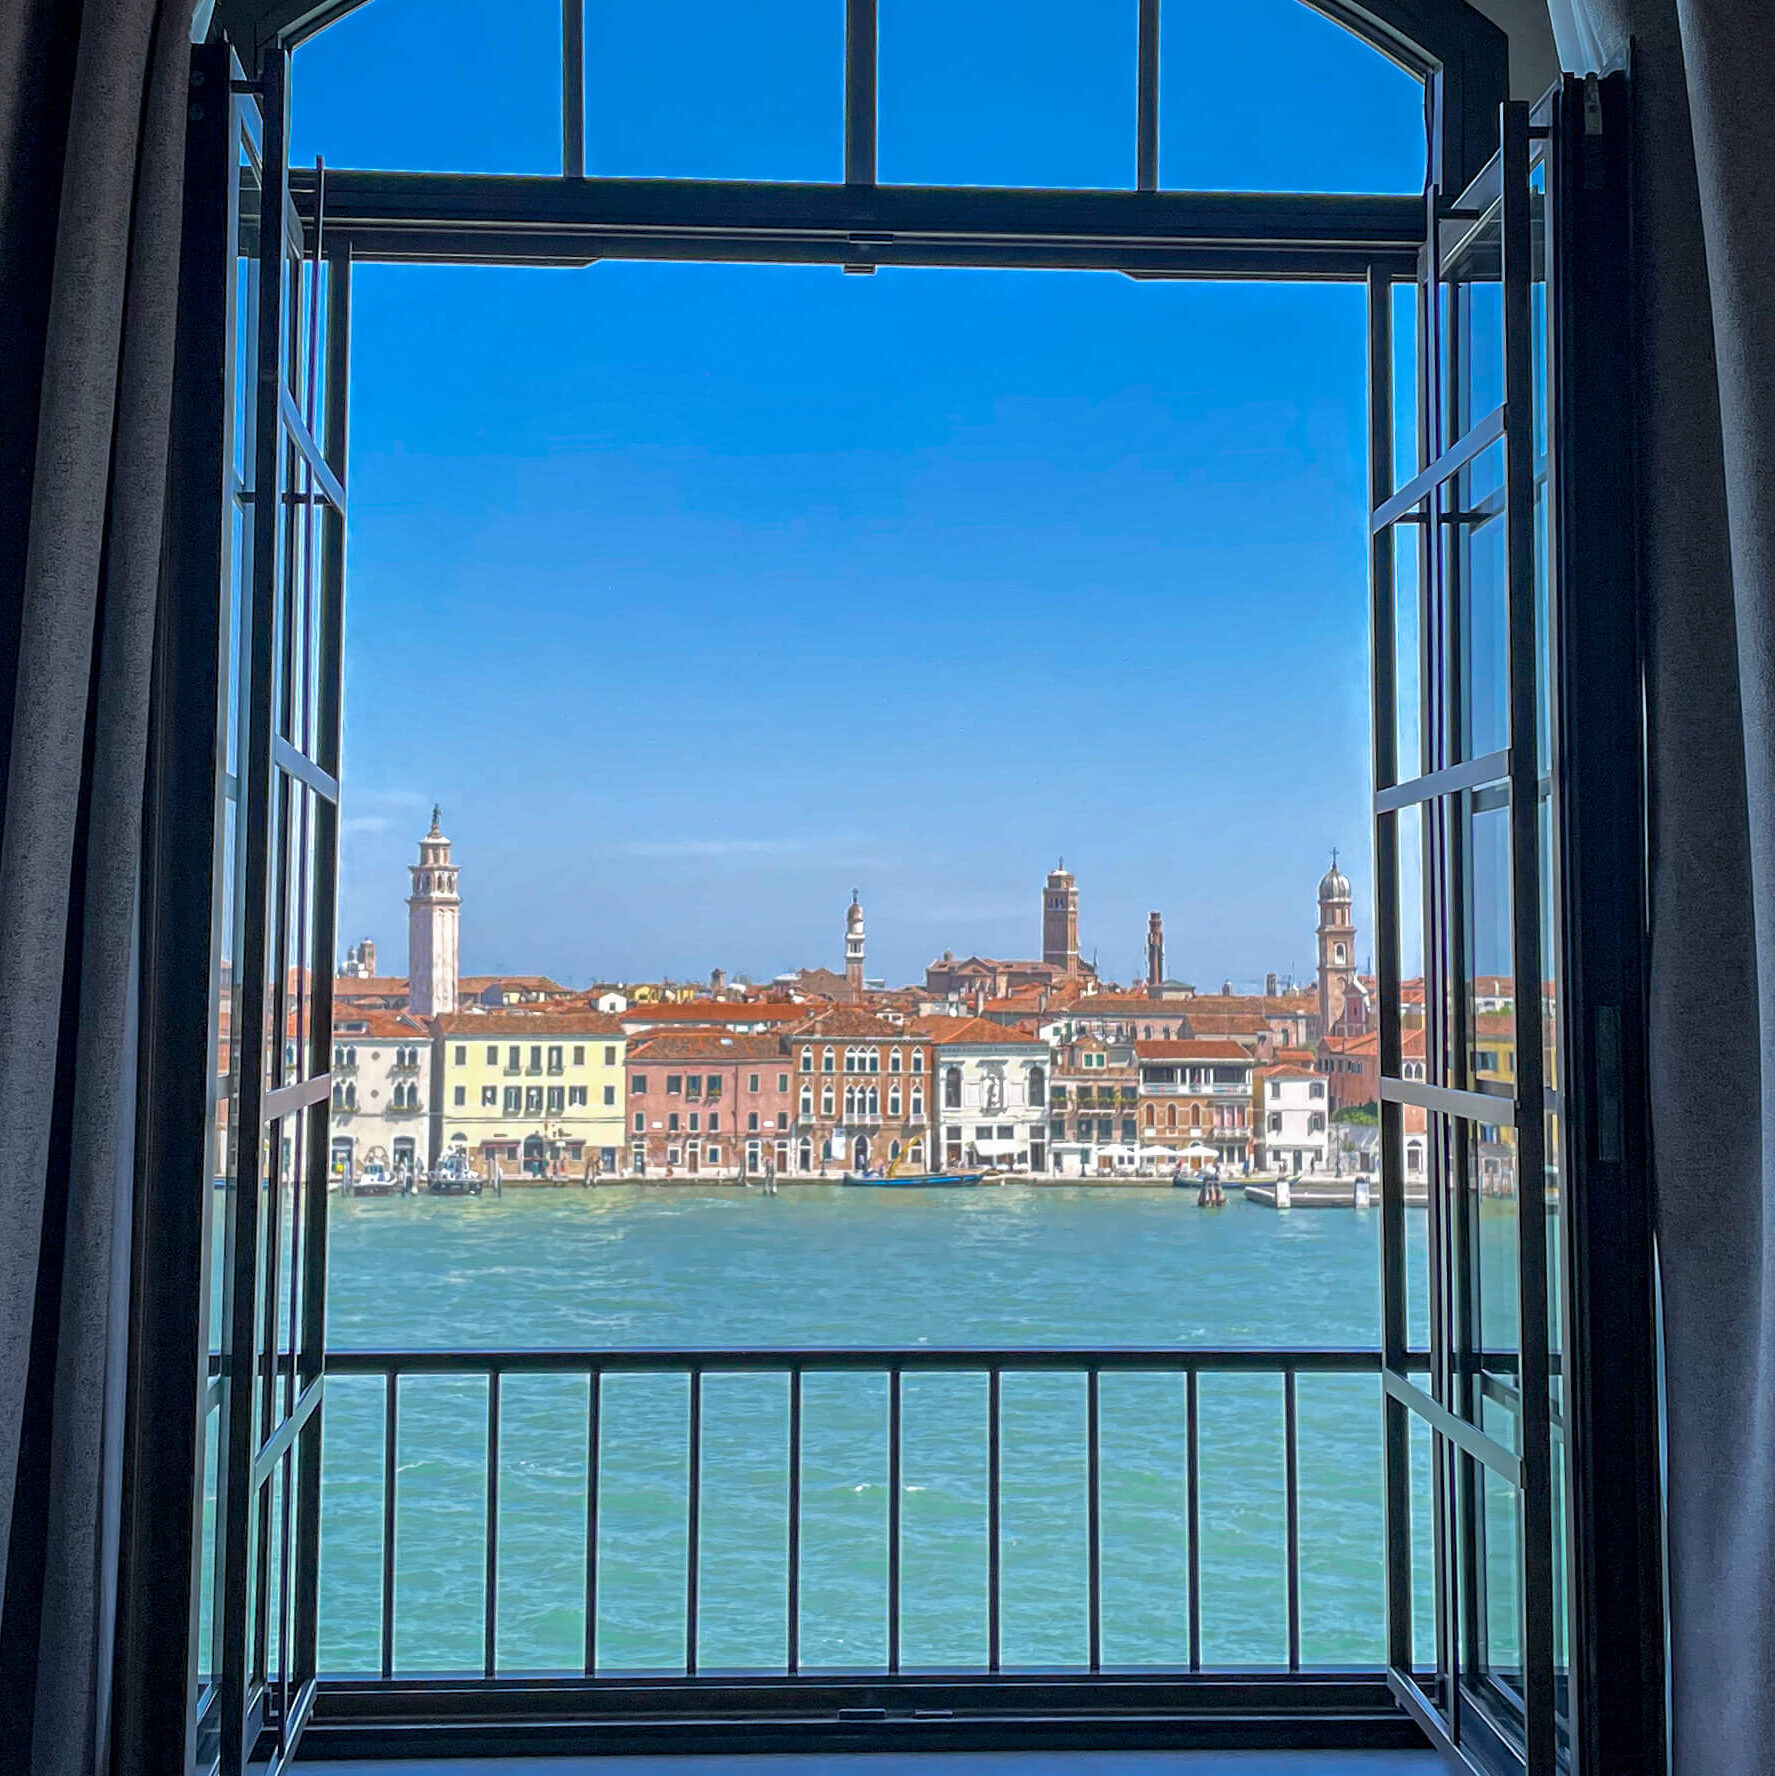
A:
(918, 1060)
(893, 1100)
(1038, 1087)
(874, 1101)
(917, 1102)
(894, 1060)
(850, 1102)
(807, 1060)
(828, 1059)
(1147, 1116)
(1171, 1116)
(825, 1100)
(807, 1100)
(875, 1060)
(952, 1088)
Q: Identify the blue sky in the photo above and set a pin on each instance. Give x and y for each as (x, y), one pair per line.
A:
(701, 595)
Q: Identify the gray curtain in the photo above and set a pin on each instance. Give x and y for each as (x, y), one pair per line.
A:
(1705, 219)
(92, 110)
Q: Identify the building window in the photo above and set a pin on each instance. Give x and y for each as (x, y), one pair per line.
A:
(555, 1057)
(671, 1156)
(751, 1122)
(460, 1097)
(782, 1119)
(714, 1121)
(514, 1099)
(893, 1100)
(638, 1085)
(576, 1096)
(557, 1100)
(807, 1100)
(609, 1094)
(917, 1102)
(826, 1101)
(536, 1057)
(579, 1054)
(875, 1060)
(640, 1123)
(1275, 1124)
(533, 1100)
(1038, 1087)
(672, 1122)
(492, 1054)
(828, 1059)
(782, 1082)
(1316, 1090)
(696, 1121)
(807, 1060)
(693, 1085)
(752, 1082)
(489, 1097)
(714, 1084)
(1127, 1128)
(918, 1060)
(674, 1084)
(714, 1155)
(610, 1054)
(952, 1088)
(893, 1060)
(1316, 1124)
(461, 1055)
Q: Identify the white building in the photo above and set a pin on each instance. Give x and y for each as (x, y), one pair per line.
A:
(993, 1089)
(1291, 1132)
(381, 1091)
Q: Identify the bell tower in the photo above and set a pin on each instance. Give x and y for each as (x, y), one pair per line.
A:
(434, 914)
(1337, 946)
(1155, 955)
(853, 949)
(1060, 920)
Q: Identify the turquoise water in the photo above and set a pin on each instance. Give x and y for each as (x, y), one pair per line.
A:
(1015, 1266)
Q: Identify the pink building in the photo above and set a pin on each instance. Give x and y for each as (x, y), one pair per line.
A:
(703, 1102)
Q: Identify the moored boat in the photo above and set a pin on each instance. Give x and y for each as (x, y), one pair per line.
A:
(915, 1180)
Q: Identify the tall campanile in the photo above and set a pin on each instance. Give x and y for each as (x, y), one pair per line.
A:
(1336, 938)
(1155, 955)
(434, 915)
(1060, 920)
(853, 949)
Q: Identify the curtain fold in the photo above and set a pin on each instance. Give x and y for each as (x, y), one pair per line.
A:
(1704, 220)
(70, 847)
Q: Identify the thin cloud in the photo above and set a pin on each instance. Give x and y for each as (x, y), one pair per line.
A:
(716, 847)
(365, 823)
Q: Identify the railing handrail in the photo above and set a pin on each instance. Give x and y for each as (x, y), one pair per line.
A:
(716, 1359)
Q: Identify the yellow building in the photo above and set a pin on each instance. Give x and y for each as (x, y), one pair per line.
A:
(540, 1093)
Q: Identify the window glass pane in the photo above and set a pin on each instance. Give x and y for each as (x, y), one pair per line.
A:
(391, 86)
(1008, 92)
(716, 89)
(1407, 651)
(1473, 322)
(1356, 122)
(1407, 455)
(1478, 560)
(1490, 986)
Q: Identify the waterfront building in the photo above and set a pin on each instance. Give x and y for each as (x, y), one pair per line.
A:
(863, 1088)
(434, 922)
(1290, 1121)
(538, 1092)
(1195, 1101)
(992, 1097)
(1093, 1116)
(381, 1092)
(708, 1101)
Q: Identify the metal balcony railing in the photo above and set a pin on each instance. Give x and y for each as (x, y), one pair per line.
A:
(584, 1438)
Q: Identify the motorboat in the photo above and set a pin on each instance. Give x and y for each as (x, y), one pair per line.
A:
(451, 1177)
(887, 1180)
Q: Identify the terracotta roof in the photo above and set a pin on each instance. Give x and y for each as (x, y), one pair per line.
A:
(1191, 1049)
(369, 1020)
(1288, 1071)
(840, 1021)
(706, 1045)
(526, 1026)
(347, 985)
(717, 1011)
(470, 983)
(951, 1032)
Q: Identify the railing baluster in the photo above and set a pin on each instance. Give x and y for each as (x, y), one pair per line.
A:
(893, 1579)
(1193, 1508)
(490, 1605)
(693, 1513)
(794, 1603)
(390, 1425)
(1094, 1512)
(594, 1440)
(992, 1519)
(1292, 1468)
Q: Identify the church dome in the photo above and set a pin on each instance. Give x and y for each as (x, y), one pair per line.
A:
(1334, 884)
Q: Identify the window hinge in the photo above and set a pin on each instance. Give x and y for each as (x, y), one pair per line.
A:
(1592, 105)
